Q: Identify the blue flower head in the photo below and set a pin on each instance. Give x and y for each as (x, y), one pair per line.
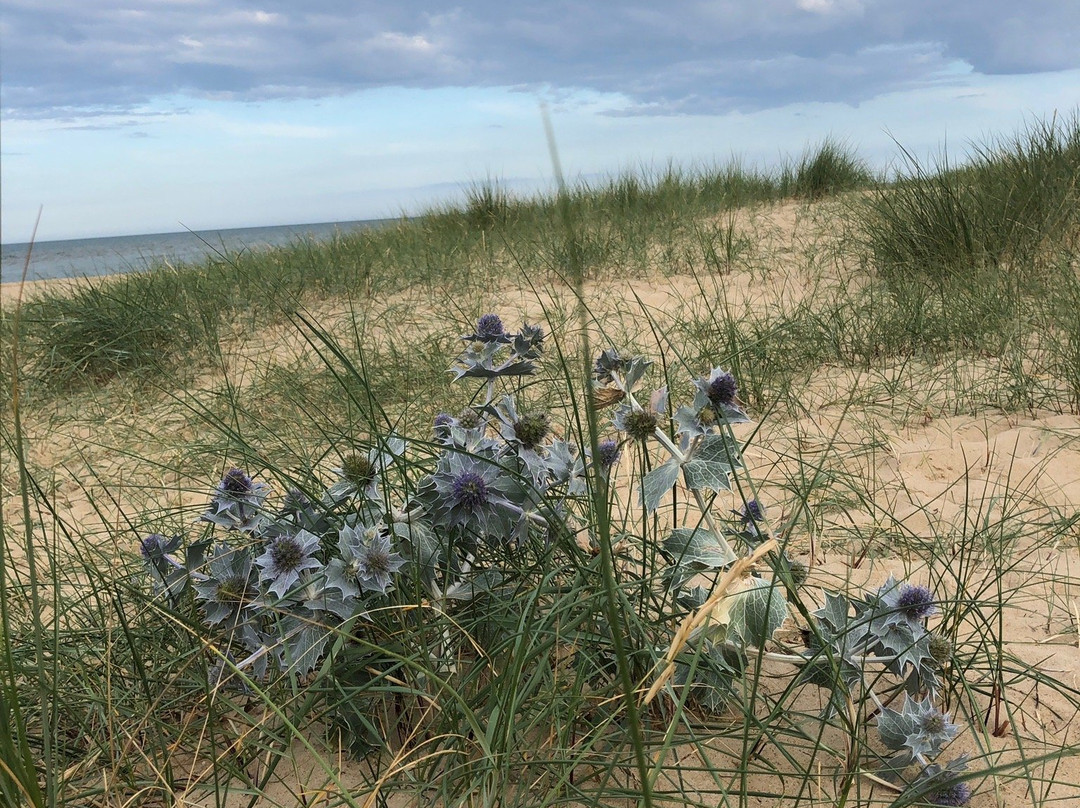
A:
(285, 558)
(721, 388)
(490, 326)
(238, 502)
(957, 794)
(916, 602)
(366, 561)
(608, 453)
(230, 587)
(471, 492)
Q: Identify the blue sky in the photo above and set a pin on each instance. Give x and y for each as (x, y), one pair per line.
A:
(155, 115)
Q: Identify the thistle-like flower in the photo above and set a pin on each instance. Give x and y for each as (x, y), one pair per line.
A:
(466, 491)
(920, 729)
(940, 649)
(366, 561)
(722, 388)
(285, 558)
(489, 328)
(358, 474)
(608, 453)
(230, 586)
(720, 392)
(957, 794)
(238, 502)
(641, 423)
(916, 602)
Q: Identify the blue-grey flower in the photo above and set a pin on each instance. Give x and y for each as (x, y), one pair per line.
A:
(919, 728)
(903, 602)
(524, 434)
(470, 492)
(957, 794)
(752, 511)
(916, 602)
(359, 472)
(720, 392)
(442, 424)
(238, 502)
(640, 423)
(489, 328)
(366, 561)
(608, 453)
(230, 585)
(722, 388)
(285, 558)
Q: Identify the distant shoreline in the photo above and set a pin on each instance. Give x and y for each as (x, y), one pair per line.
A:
(111, 255)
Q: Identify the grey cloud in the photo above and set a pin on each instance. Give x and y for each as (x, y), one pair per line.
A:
(69, 56)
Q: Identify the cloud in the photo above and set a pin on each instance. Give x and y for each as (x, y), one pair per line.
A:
(68, 56)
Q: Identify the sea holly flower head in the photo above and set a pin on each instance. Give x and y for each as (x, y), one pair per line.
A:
(366, 561)
(470, 419)
(489, 328)
(722, 388)
(640, 423)
(717, 396)
(238, 502)
(752, 511)
(376, 564)
(531, 429)
(230, 585)
(919, 729)
(285, 558)
(916, 602)
(155, 549)
(608, 453)
(903, 603)
(957, 794)
(471, 492)
(358, 474)
(940, 649)
(947, 791)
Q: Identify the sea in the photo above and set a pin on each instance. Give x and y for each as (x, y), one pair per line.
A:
(87, 257)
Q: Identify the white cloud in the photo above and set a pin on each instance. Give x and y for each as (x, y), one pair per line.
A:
(691, 56)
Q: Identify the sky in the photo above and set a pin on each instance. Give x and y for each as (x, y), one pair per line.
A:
(161, 115)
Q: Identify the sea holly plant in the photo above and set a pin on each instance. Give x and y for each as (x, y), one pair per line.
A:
(492, 503)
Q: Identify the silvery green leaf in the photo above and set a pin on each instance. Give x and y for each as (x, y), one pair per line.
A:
(895, 727)
(394, 444)
(687, 422)
(475, 584)
(658, 401)
(697, 546)
(719, 449)
(732, 414)
(757, 612)
(707, 475)
(336, 603)
(195, 554)
(633, 370)
(424, 549)
(301, 644)
(657, 483)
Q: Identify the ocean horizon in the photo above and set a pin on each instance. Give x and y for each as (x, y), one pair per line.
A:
(108, 255)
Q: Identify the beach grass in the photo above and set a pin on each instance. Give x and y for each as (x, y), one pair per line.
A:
(871, 311)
